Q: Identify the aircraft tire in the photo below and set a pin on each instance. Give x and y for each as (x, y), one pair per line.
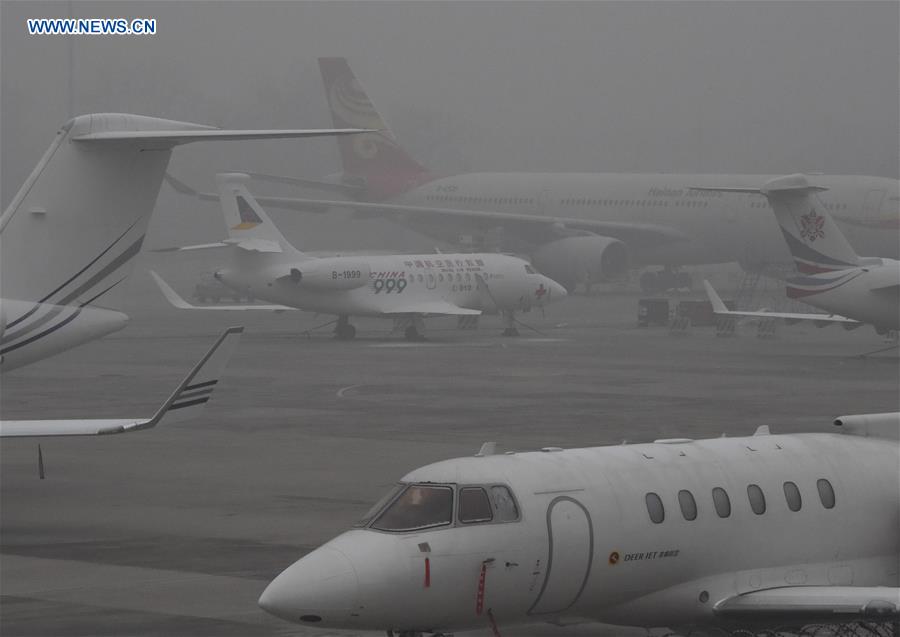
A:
(345, 332)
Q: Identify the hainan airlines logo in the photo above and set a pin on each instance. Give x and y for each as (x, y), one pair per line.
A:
(812, 226)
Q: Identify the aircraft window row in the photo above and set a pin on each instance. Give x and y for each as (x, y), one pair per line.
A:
(412, 278)
(835, 206)
(423, 506)
(643, 203)
(722, 503)
(500, 201)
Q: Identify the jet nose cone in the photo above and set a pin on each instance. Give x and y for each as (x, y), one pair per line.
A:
(554, 291)
(322, 588)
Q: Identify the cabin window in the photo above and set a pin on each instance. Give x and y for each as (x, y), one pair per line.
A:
(721, 502)
(504, 504)
(757, 499)
(792, 495)
(474, 506)
(688, 505)
(655, 508)
(418, 507)
(826, 493)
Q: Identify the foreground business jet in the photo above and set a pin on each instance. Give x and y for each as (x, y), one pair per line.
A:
(404, 287)
(189, 396)
(854, 289)
(70, 234)
(580, 227)
(761, 532)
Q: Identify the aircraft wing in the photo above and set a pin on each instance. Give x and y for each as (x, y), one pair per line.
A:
(175, 299)
(433, 307)
(535, 226)
(191, 394)
(813, 604)
(719, 309)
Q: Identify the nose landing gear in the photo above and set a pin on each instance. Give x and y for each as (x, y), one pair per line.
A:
(344, 331)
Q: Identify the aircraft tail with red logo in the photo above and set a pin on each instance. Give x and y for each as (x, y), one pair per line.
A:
(814, 239)
(376, 158)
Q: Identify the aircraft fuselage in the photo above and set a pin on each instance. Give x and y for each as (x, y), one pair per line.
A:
(647, 534)
(722, 227)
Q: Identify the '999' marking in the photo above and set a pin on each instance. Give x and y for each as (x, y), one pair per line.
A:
(389, 285)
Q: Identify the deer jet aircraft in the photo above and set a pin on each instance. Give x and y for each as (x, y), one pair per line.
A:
(854, 289)
(580, 227)
(766, 531)
(405, 287)
(69, 236)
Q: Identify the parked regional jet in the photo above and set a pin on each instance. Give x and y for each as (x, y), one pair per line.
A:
(833, 277)
(580, 227)
(406, 287)
(762, 532)
(69, 236)
(190, 395)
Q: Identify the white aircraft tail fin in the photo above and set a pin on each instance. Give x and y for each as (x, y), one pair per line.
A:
(71, 232)
(376, 157)
(814, 239)
(247, 223)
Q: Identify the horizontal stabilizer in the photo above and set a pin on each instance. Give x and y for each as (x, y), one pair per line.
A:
(191, 394)
(175, 299)
(169, 138)
(198, 246)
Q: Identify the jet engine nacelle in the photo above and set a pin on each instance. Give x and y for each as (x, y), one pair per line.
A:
(332, 273)
(576, 260)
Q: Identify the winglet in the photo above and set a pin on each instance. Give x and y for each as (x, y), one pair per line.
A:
(715, 300)
(170, 294)
(197, 387)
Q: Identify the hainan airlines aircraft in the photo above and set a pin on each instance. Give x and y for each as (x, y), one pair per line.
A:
(189, 396)
(70, 234)
(581, 227)
(763, 532)
(833, 277)
(404, 287)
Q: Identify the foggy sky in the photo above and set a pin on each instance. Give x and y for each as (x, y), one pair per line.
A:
(758, 87)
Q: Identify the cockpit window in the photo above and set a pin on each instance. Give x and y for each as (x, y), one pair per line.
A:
(418, 507)
(529, 269)
(505, 509)
(474, 506)
(378, 506)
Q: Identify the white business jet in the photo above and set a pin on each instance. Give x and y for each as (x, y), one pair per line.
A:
(761, 532)
(405, 287)
(854, 289)
(70, 234)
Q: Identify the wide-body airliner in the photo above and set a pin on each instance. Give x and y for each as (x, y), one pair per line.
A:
(583, 227)
(757, 532)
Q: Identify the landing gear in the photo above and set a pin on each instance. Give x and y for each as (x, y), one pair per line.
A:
(509, 321)
(412, 334)
(344, 331)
